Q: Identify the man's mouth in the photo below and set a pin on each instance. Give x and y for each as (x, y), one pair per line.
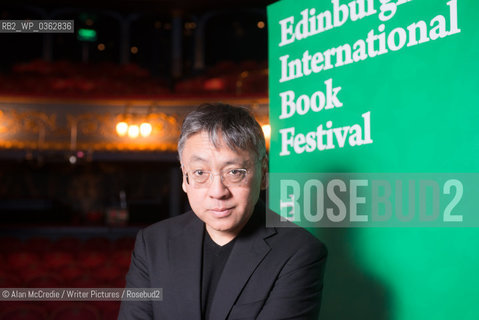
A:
(221, 212)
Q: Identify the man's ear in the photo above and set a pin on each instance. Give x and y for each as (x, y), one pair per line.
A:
(264, 172)
(183, 180)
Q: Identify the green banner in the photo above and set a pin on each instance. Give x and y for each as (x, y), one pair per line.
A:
(370, 99)
(383, 87)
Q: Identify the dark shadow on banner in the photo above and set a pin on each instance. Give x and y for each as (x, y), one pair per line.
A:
(350, 292)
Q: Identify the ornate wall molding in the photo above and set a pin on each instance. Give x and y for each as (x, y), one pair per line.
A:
(90, 125)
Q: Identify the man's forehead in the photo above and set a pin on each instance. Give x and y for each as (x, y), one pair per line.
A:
(200, 148)
(225, 155)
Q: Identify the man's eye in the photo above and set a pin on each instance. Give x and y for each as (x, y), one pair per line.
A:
(236, 172)
(199, 173)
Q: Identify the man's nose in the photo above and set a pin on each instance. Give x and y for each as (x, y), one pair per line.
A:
(217, 188)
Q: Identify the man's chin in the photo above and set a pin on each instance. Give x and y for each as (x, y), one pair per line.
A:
(223, 225)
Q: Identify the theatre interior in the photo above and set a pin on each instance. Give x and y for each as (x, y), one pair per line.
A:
(89, 122)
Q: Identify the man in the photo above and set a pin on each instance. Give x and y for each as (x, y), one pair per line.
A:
(220, 260)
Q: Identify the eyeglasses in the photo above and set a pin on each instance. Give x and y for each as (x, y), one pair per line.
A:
(230, 178)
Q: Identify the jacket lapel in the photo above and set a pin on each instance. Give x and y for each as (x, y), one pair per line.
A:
(184, 252)
(248, 251)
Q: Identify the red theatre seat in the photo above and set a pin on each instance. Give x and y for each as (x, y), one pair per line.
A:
(91, 259)
(125, 243)
(76, 311)
(107, 274)
(70, 273)
(98, 244)
(55, 260)
(108, 309)
(23, 312)
(22, 259)
(121, 259)
(38, 245)
(66, 244)
(45, 281)
(86, 281)
(30, 272)
(11, 244)
(9, 280)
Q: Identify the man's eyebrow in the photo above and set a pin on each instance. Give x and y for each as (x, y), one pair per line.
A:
(235, 162)
(197, 158)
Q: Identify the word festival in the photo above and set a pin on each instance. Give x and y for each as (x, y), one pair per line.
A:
(378, 41)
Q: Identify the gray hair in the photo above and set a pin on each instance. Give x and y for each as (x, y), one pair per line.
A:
(236, 125)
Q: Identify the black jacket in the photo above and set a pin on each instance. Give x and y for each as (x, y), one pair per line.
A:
(272, 273)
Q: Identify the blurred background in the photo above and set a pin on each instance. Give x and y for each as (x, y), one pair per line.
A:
(88, 128)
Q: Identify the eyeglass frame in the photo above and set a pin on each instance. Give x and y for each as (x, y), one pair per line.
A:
(210, 179)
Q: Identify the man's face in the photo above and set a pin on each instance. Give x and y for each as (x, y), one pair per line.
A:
(224, 209)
